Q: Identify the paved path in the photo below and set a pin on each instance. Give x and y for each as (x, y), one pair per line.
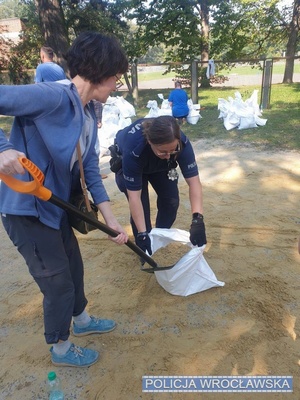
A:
(234, 80)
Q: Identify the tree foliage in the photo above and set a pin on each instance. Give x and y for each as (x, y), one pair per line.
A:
(185, 29)
(222, 30)
(9, 9)
(293, 40)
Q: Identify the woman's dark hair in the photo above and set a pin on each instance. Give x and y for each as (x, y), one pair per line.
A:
(161, 130)
(96, 57)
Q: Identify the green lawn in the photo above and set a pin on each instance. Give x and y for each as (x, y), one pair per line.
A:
(278, 68)
(281, 131)
(151, 76)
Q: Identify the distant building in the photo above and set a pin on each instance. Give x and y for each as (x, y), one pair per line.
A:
(10, 29)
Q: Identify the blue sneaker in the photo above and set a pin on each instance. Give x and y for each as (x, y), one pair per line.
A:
(75, 357)
(96, 326)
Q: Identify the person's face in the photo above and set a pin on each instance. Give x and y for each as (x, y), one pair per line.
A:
(164, 151)
(104, 89)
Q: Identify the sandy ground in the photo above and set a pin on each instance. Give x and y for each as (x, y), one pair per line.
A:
(248, 327)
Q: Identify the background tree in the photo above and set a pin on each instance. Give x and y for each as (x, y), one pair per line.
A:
(53, 27)
(5, 46)
(9, 9)
(56, 23)
(292, 29)
(222, 30)
(186, 30)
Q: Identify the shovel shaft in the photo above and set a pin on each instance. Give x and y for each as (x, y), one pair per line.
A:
(36, 188)
(98, 224)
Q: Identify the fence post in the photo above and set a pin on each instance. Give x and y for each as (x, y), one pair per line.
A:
(194, 83)
(134, 82)
(266, 84)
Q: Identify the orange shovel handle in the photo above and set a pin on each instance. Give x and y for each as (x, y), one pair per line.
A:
(34, 187)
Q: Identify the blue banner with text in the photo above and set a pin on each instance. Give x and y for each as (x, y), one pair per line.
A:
(218, 384)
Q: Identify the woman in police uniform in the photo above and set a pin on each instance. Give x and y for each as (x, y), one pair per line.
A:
(148, 151)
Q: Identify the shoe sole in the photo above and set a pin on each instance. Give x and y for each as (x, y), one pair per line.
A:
(57, 364)
(93, 332)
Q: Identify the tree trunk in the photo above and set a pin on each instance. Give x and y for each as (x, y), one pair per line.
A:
(291, 46)
(53, 28)
(204, 13)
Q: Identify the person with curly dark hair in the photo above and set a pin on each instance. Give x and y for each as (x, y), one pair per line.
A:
(51, 118)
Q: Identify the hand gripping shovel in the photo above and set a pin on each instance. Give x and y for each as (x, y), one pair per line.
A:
(36, 188)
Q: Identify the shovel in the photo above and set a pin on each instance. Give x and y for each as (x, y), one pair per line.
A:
(36, 188)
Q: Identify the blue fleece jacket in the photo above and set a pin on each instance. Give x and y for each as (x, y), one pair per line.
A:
(52, 116)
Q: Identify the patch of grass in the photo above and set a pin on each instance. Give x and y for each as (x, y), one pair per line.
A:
(278, 68)
(5, 124)
(280, 132)
(239, 69)
(155, 75)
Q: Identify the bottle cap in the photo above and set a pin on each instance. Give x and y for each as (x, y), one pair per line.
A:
(51, 376)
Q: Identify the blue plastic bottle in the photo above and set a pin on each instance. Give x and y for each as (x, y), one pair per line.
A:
(54, 387)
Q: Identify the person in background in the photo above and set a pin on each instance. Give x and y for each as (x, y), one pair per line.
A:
(148, 151)
(98, 106)
(47, 132)
(98, 111)
(48, 70)
(178, 101)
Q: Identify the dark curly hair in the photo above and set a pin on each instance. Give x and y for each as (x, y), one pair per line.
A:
(161, 130)
(96, 57)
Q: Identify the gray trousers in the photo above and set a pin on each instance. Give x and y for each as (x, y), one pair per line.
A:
(54, 260)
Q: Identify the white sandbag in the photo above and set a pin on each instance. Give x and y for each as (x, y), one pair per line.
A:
(126, 109)
(223, 107)
(114, 117)
(190, 104)
(193, 118)
(165, 108)
(253, 103)
(247, 122)
(165, 111)
(194, 112)
(154, 109)
(240, 114)
(260, 121)
(191, 274)
(231, 121)
(106, 135)
(165, 105)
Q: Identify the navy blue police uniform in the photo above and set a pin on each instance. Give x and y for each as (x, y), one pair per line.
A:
(140, 166)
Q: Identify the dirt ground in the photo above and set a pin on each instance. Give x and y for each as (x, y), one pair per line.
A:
(248, 327)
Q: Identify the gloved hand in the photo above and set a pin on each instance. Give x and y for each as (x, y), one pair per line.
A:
(143, 242)
(197, 230)
(116, 159)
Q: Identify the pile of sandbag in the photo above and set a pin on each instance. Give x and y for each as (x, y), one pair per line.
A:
(116, 115)
(240, 114)
(165, 109)
(194, 112)
(155, 110)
